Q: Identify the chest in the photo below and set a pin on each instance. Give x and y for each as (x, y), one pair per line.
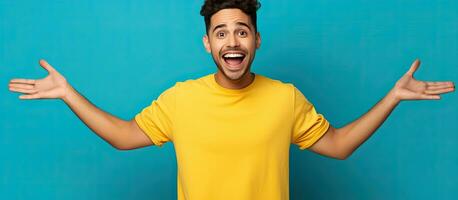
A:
(221, 124)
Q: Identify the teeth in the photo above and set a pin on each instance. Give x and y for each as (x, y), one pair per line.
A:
(233, 55)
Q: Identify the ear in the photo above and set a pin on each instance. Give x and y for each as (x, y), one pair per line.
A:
(206, 43)
(258, 40)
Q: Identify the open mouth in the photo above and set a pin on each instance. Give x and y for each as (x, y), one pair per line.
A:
(234, 59)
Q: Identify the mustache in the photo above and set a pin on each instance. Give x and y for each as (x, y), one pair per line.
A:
(221, 52)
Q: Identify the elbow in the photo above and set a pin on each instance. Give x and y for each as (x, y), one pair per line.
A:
(124, 147)
(343, 155)
(343, 151)
(121, 142)
(120, 146)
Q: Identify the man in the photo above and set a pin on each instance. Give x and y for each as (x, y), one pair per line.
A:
(231, 130)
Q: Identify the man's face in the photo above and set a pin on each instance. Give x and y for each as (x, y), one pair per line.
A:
(232, 41)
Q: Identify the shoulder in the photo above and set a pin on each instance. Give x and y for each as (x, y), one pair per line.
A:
(275, 84)
(286, 89)
(192, 82)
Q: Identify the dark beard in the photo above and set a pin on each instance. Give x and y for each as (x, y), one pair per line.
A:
(227, 77)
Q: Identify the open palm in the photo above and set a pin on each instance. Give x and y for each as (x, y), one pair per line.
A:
(408, 88)
(52, 86)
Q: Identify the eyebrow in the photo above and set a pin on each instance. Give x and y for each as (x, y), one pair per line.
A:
(224, 25)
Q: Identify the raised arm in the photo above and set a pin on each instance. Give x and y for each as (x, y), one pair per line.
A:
(342, 142)
(119, 133)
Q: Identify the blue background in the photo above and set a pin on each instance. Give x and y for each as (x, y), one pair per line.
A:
(343, 55)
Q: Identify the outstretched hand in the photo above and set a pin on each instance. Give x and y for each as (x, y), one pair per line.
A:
(408, 88)
(52, 86)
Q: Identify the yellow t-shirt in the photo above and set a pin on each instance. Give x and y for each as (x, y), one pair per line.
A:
(232, 144)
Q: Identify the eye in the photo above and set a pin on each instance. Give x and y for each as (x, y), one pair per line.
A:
(243, 33)
(220, 34)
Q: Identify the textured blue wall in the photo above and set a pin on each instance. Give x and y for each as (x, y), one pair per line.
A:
(343, 55)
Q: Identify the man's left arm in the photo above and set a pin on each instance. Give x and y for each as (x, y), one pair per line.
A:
(342, 142)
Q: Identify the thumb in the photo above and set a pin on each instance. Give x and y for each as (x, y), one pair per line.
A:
(414, 67)
(46, 66)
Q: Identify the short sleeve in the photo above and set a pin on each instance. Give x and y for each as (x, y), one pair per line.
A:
(156, 120)
(308, 125)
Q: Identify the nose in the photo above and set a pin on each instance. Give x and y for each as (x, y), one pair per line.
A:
(233, 41)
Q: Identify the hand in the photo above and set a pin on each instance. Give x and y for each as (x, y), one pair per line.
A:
(52, 86)
(408, 88)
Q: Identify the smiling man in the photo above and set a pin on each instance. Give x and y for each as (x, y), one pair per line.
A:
(232, 130)
(232, 39)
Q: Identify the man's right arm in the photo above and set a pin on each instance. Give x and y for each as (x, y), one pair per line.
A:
(121, 134)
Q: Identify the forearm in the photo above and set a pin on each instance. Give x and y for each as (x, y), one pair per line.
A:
(105, 125)
(351, 136)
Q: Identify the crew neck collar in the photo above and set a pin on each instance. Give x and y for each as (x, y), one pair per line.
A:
(217, 86)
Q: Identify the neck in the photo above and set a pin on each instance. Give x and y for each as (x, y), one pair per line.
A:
(243, 82)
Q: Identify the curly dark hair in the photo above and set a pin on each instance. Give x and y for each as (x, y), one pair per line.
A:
(211, 7)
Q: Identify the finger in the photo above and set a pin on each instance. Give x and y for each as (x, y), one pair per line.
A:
(429, 97)
(25, 91)
(21, 80)
(46, 65)
(439, 91)
(21, 86)
(434, 83)
(30, 96)
(414, 67)
(435, 87)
